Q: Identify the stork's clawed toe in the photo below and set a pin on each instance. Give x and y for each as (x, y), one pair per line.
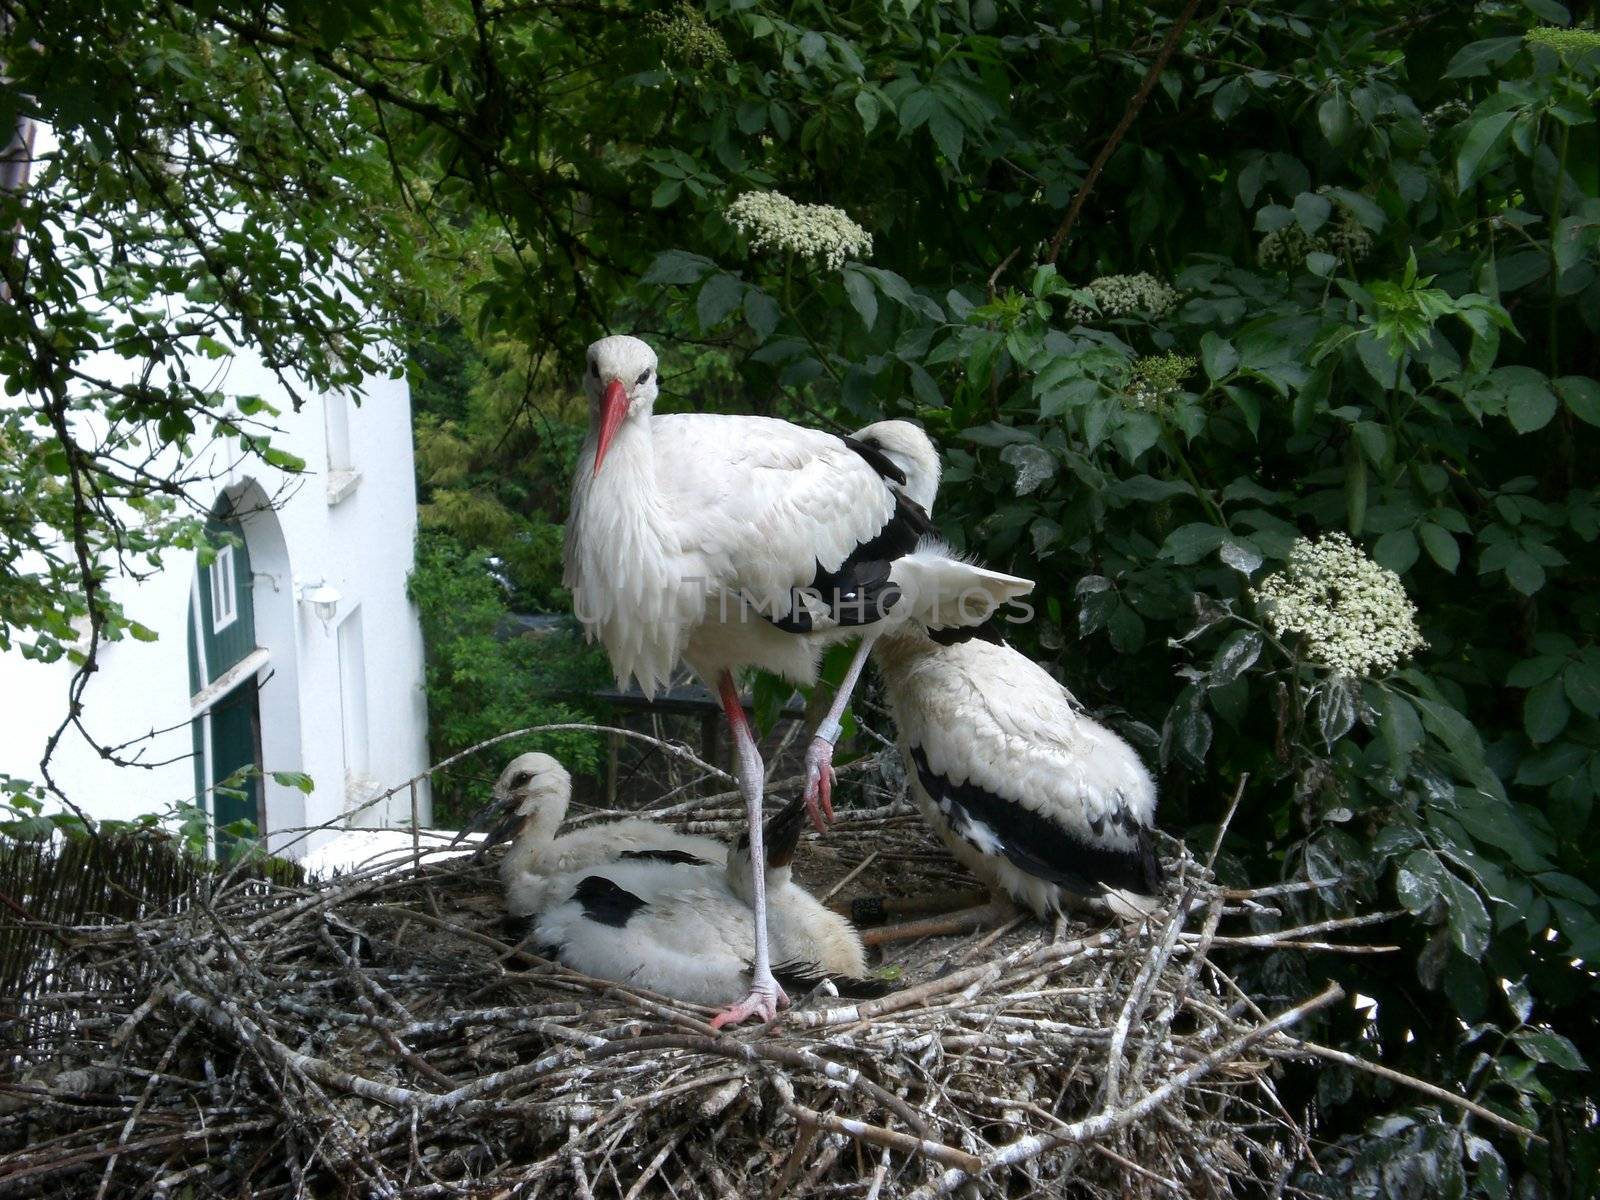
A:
(819, 783)
(763, 1003)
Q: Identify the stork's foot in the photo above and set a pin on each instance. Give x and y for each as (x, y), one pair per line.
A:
(819, 783)
(764, 1002)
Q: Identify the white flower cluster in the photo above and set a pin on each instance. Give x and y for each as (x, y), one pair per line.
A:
(1124, 295)
(772, 221)
(1354, 616)
(1154, 377)
(1579, 41)
(1447, 113)
(686, 35)
(1346, 237)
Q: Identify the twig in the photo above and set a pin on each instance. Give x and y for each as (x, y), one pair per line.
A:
(1411, 1081)
(876, 1135)
(1135, 103)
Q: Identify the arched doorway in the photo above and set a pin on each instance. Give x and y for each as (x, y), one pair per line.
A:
(244, 673)
(224, 663)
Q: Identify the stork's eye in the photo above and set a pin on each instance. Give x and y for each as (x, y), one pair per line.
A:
(643, 379)
(594, 368)
(520, 779)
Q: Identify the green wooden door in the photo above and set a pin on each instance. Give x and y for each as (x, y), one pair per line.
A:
(235, 741)
(222, 633)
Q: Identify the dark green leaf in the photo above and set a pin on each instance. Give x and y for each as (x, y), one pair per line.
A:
(1485, 138)
(677, 266)
(1545, 711)
(1469, 919)
(1219, 357)
(718, 297)
(863, 297)
(1441, 546)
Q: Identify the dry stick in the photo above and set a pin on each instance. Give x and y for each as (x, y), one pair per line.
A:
(144, 1099)
(1411, 1081)
(877, 1135)
(848, 879)
(1227, 818)
(879, 1176)
(1279, 889)
(1134, 105)
(955, 981)
(789, 1056)
(1025, 1149)
(1130, 1165)
(649, 1173)
(805, 1138)
(249, 1033)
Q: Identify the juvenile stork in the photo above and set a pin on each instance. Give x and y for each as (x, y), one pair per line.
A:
(529, 804)
(729, 542)
(685, 930)
(1029, 792)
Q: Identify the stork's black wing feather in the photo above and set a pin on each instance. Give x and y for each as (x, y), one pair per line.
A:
(858, 592)
(1041, 847)
(800, 977)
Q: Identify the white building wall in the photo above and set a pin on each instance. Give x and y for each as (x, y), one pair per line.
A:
(352, 528)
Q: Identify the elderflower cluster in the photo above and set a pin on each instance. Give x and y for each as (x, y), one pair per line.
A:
(1354, 616)
(1124, 295)
(1559, 40)
(685, 35)
(1157, 376)
(1447, 113)
(772, 221)
(1287, 248)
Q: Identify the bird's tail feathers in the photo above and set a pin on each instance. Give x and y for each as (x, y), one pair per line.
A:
(799, 978)
(943, 589)
(1131, 906)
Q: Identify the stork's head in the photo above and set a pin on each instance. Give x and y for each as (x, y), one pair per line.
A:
(910, 449)
(532, 793)
(620, 377)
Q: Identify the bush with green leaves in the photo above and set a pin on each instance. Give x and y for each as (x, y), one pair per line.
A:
(485, 677)
(1293, 431)
(1336, 274)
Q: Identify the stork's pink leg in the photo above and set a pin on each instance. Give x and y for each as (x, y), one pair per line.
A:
(819, 754)
(766, 997)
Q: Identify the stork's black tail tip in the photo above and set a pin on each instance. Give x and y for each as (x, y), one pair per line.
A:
(803, 978)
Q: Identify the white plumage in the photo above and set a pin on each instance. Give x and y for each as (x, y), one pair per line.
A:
(1029, 792)
(686, 931)
(1032, 794)
(529, 804)
(695, 537)
(700, 525)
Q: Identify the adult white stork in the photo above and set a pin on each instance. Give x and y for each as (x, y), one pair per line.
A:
(736, 541)
(684, 929)
(529, 804)
(1032, 794)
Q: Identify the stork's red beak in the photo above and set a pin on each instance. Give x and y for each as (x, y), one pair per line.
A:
(613, 407)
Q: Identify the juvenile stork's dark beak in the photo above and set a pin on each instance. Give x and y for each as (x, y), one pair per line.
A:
(498, 821)
(782, 832)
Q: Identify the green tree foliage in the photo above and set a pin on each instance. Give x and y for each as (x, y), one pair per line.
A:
(1337, 273)
(487, 675)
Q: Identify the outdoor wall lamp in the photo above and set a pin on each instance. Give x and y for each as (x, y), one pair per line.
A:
(323, 599)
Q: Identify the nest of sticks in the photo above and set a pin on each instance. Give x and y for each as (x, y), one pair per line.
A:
(380, 1035)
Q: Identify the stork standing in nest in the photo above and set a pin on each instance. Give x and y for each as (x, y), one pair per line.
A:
(1029, 792)
(728, 542)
